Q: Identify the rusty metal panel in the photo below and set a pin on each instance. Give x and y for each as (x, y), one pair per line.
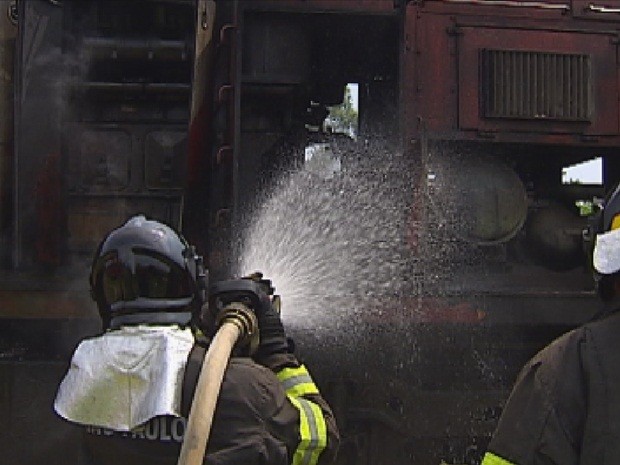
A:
(409, 76)
(164, 159)
(429, 73)
(561, 6)
(604, 10)
(38, 205)
(117, 170)
(104, 159)
(501, 9)
(8, 31)
(90, 217)
(370, 6)
(534, 85)
(595, 81)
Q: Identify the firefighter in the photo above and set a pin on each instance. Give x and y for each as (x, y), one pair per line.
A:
(131, 387)
(565, 405)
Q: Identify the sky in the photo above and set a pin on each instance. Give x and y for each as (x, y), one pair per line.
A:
(589, 172)
(354, 89)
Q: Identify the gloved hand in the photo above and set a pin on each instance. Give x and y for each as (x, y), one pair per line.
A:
(273, 338)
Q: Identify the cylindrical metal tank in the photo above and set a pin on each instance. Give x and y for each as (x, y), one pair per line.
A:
(481, 199)
(554, 236)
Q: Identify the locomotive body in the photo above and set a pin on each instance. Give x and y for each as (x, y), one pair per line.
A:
(181, 109)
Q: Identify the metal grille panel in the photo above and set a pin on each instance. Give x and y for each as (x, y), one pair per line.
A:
(534, 85)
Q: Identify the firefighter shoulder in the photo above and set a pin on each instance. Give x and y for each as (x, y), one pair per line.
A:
(565, 405)
(130, 388)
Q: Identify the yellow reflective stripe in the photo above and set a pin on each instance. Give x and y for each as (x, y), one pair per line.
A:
(491, 459)
(297, 381)
(615, 223)
(312, 431)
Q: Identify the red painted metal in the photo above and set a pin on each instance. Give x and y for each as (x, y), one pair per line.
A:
(441, 69)
(347, 6)
(598, 46)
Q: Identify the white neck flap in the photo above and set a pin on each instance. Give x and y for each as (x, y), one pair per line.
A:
(123, 378)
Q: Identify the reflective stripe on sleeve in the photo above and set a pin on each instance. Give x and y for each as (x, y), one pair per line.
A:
(312, 430)
(297, 381)
(491, 459)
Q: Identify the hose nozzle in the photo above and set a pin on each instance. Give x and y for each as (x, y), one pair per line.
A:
(244, 318)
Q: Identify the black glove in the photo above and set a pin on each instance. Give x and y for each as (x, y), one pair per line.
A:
(273, 338)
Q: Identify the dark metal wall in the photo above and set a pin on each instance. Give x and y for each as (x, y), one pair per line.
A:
(32, 433)
(8, 31)
(103, 91)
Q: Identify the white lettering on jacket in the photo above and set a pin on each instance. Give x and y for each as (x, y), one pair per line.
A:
(157, 429)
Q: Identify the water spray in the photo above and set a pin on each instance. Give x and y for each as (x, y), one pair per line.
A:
(337, 236)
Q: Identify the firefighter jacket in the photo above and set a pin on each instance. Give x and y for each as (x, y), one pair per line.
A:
(565, 405)
(262, 417)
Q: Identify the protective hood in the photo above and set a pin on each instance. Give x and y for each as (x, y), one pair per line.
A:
(125, 377)
(606, 256)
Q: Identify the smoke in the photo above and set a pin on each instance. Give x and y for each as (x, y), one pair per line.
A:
(54, 67)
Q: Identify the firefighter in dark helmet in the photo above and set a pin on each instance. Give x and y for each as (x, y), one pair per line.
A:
(565, 405)
(131, 387)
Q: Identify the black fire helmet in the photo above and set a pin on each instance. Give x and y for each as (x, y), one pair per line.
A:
(144, 272)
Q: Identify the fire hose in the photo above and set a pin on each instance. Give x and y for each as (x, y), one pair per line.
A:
(237, 325)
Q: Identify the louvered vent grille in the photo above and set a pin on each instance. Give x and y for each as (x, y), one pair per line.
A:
(534, 85)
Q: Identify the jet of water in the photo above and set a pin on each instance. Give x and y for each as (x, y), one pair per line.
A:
(331, 242)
